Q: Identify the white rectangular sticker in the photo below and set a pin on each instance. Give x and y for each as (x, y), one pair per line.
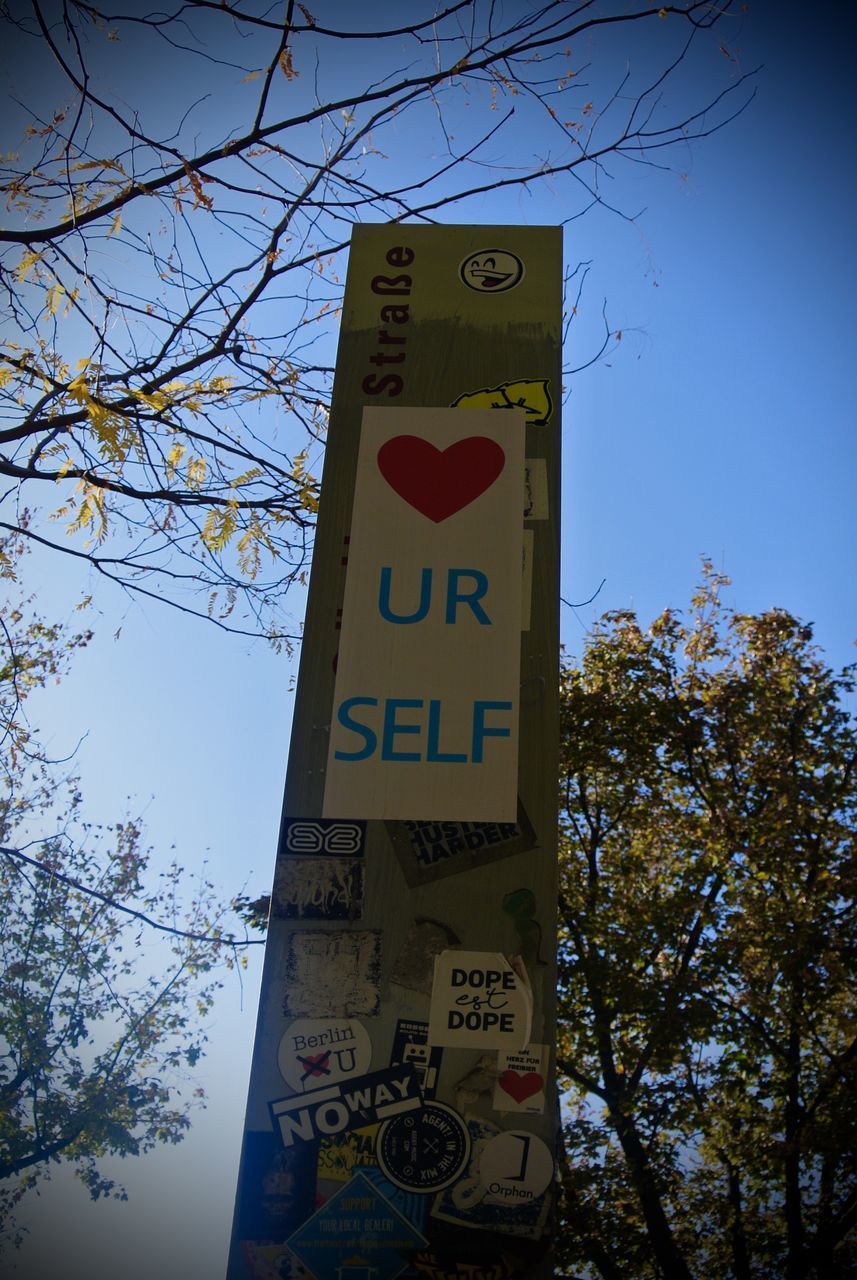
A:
(425, 710)
(479, 1001)
(522, 1079)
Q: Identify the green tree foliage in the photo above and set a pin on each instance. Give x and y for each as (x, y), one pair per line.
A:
(179, 190)
(708, 950)
(106, 974)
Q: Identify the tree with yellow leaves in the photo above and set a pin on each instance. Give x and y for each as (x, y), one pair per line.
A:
(708, 956)
(172, 256)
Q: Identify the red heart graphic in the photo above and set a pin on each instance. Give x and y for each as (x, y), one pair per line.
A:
(520, 1087)
(439, 482)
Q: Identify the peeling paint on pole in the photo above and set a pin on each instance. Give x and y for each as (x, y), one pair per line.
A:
(416, 875)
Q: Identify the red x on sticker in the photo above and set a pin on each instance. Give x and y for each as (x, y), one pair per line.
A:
(316, 1064)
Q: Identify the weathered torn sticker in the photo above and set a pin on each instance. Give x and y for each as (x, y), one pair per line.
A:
(521, 1079)
(411, 1044)
(414, 967)
(428, 851)
(336, 975)
(527, 578)
(341, 1107)
(479, 1001)
(476, 1086)
(318, 889)
(536, 489)
(314, 1052)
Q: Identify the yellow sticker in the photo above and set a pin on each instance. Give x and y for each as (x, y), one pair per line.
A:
(530, 394)
(339, 1157)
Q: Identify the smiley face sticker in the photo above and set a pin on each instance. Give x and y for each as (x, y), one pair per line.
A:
(492, 271)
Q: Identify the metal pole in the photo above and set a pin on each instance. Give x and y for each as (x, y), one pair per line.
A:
(402, 1113)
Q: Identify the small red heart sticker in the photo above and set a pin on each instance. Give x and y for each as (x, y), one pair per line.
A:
(440, 482)
(521, 1085)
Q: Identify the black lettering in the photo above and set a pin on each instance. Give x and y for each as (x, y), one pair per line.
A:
(400, 256)
(381, 357)
(395, 313)
(392, 285)
(390, 382)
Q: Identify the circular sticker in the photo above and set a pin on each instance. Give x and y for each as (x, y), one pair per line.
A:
(515, 1167)
(423, 1150)
(492, 271)
(314, 1052)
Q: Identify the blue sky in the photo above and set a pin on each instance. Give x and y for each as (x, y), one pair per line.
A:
(722, 423)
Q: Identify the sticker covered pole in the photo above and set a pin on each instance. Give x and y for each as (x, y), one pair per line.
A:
(402, 1112)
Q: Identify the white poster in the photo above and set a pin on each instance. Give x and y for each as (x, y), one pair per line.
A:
(425, 711)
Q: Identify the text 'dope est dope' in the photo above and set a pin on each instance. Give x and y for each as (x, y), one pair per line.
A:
(425, 712)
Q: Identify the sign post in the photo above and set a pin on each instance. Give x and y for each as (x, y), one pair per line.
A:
(402, 1113)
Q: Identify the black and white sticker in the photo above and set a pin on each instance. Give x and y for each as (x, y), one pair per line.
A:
(320, 837)
(492, 271)
(342, 1107)
(410, 1044)
(515, 1168)
(423, 1150)
(429, 851)
(479, 1001)
(315, 1052)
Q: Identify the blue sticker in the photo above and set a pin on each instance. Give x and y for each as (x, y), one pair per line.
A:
(410, 1203)
(357, 1233)
(276, 1189)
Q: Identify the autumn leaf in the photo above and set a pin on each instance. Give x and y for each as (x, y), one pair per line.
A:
(286, 67)
(28, 261)
(219, 527)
